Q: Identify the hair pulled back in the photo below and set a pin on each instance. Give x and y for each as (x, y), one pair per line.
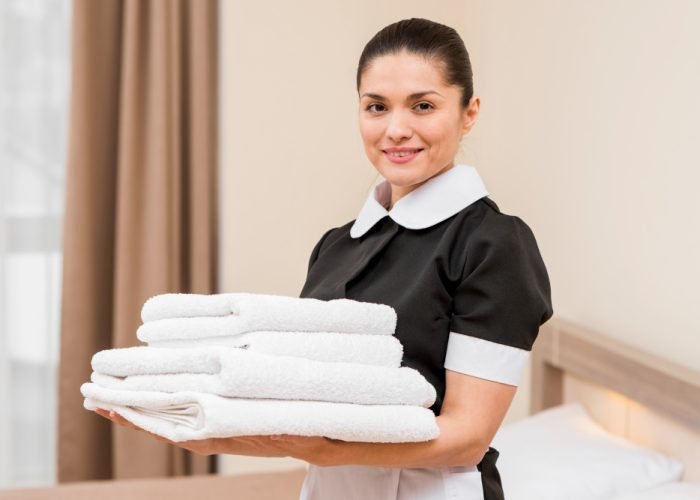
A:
(434, 41)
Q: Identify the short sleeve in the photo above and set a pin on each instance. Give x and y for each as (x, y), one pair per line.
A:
(498, 306)
(315, 252)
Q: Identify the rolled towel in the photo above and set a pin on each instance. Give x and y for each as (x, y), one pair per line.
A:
(380, 350)
(252, 311)
(236, 372)
(187, 415)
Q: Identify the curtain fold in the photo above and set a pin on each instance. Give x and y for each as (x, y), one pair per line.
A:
(141, 207)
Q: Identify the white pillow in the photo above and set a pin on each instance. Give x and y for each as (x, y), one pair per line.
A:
(667, 491)
(562, 454)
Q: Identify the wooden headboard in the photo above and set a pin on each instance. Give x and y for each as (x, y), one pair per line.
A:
(632, 393)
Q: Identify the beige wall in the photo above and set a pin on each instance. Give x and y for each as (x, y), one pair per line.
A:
(588, 131)
(292, 158)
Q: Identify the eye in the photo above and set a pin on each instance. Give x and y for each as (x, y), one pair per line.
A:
(369, 108)
(424, 103)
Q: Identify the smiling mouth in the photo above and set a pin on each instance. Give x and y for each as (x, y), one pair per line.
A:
(399, 154)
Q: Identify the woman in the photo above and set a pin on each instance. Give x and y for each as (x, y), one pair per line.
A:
(466, 280)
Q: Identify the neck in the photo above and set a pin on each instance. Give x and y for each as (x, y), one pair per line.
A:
(398, 192)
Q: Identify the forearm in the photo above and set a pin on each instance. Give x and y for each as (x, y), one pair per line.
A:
(455, 446)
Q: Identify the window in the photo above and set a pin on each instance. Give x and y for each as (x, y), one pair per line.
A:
(34, 99)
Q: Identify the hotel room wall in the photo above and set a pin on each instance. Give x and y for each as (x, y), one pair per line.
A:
(589, 132)
(292, 161)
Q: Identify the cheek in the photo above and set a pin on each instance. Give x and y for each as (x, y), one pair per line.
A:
(371, 131)
(438, 131)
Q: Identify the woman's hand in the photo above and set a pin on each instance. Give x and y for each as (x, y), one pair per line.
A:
(316, 450)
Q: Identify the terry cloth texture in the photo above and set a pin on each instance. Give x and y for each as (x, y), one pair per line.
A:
(380, 350)
(245, 312)
(190, 415)
(230, 371)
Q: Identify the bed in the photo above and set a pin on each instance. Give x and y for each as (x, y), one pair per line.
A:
(609, 421)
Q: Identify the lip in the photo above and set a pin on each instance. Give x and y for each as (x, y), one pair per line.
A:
(400, 149)
(401, 159)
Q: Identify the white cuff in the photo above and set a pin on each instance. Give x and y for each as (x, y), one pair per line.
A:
(485, 359)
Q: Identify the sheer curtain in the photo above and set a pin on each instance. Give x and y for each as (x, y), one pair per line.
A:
(34, 97)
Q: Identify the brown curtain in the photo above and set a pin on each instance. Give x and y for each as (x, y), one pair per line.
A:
(141, 208)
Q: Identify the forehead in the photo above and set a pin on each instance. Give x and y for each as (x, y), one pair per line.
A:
(402, 73)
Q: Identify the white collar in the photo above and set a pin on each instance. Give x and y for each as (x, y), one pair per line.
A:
(435, 200)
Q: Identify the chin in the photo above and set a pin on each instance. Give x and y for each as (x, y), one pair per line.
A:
(401, 175)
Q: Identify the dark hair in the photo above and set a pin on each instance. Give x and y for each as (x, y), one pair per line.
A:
(427, 38)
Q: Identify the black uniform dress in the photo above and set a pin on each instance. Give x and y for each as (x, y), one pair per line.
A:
(470, 290)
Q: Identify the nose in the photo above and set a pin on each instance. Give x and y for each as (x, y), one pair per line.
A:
(399, 127)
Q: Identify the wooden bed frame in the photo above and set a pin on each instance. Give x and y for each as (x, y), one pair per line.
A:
(632, 393)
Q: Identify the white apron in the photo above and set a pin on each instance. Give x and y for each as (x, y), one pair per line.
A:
(360, 482)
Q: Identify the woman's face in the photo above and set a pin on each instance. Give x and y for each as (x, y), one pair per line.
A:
(406, 105)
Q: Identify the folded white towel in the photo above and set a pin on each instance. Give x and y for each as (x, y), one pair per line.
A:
(201, 327)
(380, 350)
(189, 415)
(230, 371)
(252, 311)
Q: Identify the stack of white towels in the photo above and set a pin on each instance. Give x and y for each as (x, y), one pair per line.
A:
(240, 364)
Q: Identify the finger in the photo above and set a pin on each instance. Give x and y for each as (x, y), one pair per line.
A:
(117, 418)
(121, 420)
(195, 445)
(160, 438)
(105, 414)
(285, 437)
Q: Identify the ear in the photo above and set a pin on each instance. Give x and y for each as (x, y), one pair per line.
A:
(469, 114)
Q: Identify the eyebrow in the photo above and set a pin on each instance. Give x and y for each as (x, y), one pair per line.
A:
(415, 95)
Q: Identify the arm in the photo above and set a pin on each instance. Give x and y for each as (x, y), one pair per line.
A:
(471, 414)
